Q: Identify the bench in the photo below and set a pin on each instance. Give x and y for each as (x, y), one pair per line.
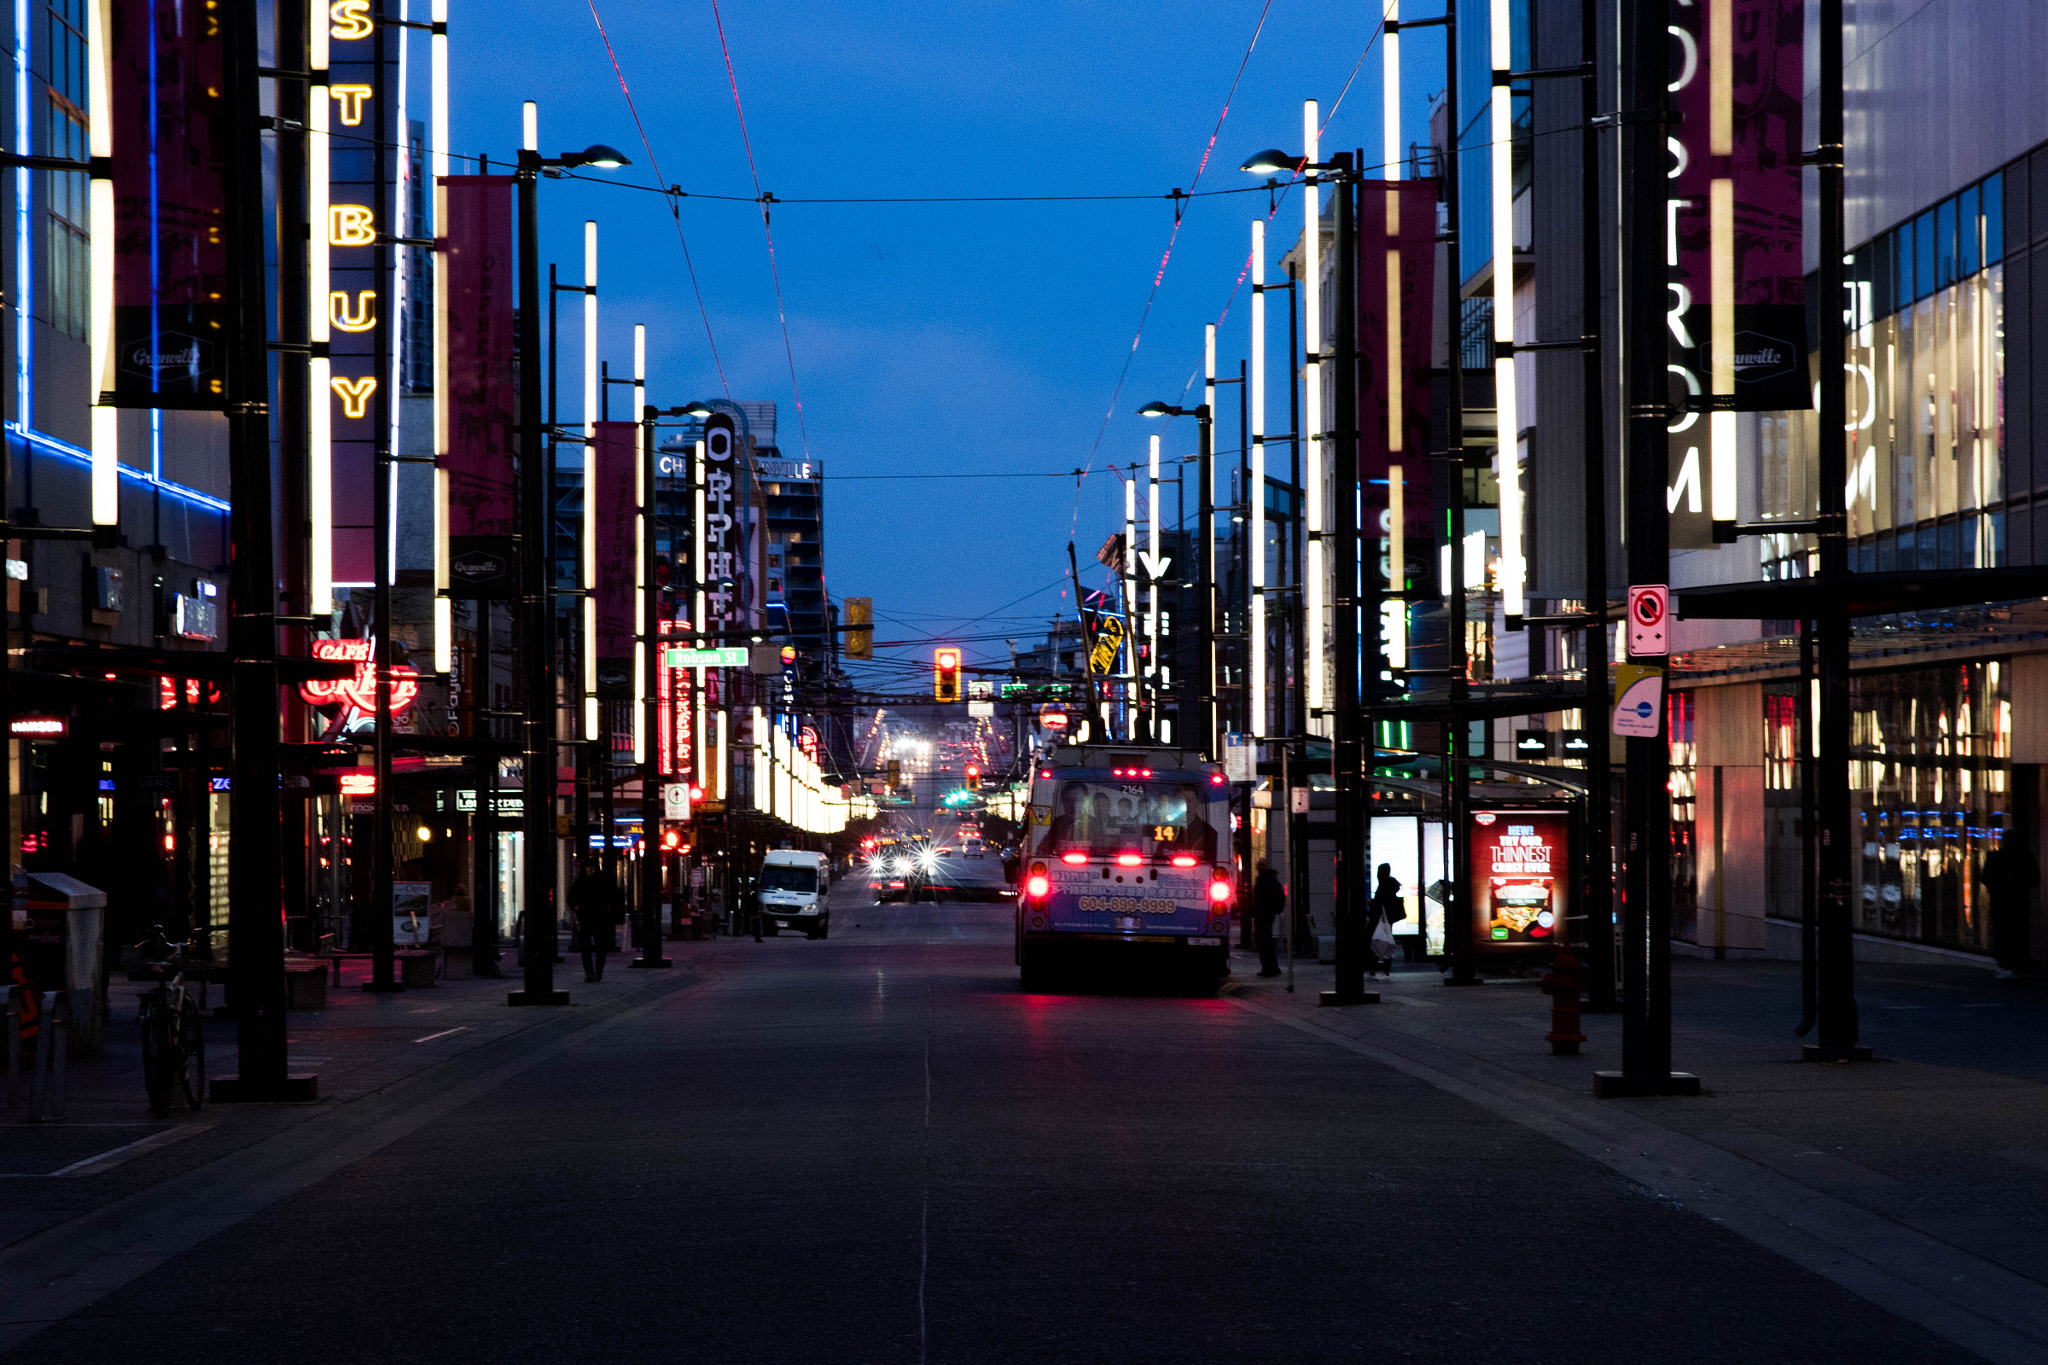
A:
(416, 966)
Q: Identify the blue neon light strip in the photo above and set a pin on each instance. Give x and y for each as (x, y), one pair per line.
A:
(64, 450)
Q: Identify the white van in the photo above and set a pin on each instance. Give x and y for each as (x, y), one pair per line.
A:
(793, 887)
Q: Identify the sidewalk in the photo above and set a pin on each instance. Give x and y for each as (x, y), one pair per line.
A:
(1919, 1180)
(361, 1045)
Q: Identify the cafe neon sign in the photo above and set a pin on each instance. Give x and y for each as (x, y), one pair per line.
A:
(359, 692)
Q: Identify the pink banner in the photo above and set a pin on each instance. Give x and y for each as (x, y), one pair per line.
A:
(1397, 229)
(477, 286)
(616, 452)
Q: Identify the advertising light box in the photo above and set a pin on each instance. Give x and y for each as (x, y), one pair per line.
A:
(1521, 878)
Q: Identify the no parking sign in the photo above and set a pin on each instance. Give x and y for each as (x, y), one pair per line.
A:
(1649, 607)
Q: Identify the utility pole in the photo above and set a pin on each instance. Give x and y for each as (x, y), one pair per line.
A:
(537, 647)
(1458, 901)
(1599, 821)
(650, 711)
(1646, 855)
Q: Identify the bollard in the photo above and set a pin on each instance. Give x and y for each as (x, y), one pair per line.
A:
(46, 1086)
(1561, 984)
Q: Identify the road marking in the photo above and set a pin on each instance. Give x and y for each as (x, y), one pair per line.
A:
(442, 1034)
(113, 1156)
(1971, 1301)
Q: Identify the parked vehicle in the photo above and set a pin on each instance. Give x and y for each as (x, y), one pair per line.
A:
(793, 892)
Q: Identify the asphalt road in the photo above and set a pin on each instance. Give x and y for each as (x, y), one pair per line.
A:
(875, 1148)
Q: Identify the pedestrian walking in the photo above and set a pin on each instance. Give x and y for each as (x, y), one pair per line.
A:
(1269, 902)
(1387, 911)
(599, 909)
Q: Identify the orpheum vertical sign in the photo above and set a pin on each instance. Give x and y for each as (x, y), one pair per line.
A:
(363, 93)
(1737, 303)
(168, 96)
(1521, 877)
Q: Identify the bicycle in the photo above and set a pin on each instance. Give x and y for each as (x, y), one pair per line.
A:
(173, 1041)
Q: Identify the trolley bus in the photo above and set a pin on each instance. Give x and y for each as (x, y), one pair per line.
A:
(1126, 858)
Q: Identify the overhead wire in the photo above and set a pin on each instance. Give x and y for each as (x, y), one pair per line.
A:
(774, 272)
(675, 206)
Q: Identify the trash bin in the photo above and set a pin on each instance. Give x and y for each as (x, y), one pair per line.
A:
(64, 949)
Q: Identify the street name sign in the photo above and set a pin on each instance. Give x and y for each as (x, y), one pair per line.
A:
(727, 656)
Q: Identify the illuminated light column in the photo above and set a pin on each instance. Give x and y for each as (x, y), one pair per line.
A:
(1130, 605)
(437, 61)
(1211, 589)
(1394, 610)
(1257, 492)
(643, 498)
(1508, 425)
(1721, 474)
(319, 369)
(1152, 591)
(764, 753)
(437, 166)
(697, 623)
(106, 431)
(1313, 626)
(589, 479)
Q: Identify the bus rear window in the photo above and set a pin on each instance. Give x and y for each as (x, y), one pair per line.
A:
(1154, 820)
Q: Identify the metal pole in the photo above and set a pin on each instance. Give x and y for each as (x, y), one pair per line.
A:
(256, 926)
(1835, 962)
(1457, 906)
(383, 932)
(650, 712)
(538, 645)
(1599, 825)
(1342, 523)
(484, 820)
(1205, 558)
(1646, 854)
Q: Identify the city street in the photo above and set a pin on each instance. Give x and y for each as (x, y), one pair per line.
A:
(876, 1148)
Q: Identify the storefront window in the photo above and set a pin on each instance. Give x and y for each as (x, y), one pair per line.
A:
(1684, 786)
(1930, 786)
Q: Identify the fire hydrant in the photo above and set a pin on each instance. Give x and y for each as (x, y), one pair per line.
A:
(1561, 984)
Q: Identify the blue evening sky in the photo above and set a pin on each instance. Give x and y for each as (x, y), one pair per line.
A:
(934, 338)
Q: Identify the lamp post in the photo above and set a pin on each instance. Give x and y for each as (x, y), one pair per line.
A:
(1350, 733)
(536, 575)
(1206, 510)
(650, 705)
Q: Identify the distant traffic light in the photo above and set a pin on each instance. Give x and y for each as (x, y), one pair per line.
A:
(895, 773)
(946, 675)
(973, 777)
(860, 644)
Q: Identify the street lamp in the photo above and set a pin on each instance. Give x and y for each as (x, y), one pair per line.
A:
(538, 786)
(1206, 512)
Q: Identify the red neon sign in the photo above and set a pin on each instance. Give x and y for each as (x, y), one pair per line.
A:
(360, 691)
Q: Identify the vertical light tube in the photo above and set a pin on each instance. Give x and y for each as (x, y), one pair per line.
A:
(1390, 90)
(106, 431)
(1721, 471)
(437, 60)
(529, 126)
(1394, 611)
(1210, 587)
(1131, 606)
(444, 605)
(1152, 549)
(1509, 425)
(715, 786)
(643, 601)
(1313, 626)
(1256, 494)
(764, 779)
(319, 369)
(590, 479)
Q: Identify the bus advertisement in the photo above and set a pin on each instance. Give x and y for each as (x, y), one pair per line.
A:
(1126, 856)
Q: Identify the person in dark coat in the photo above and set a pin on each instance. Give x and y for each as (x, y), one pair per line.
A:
(599, 909)
(1269, 902)
(1387, 907)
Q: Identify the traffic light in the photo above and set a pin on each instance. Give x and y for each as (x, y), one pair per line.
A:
(671, 840)
(895, 773)
(973, 777)
(946, 675)
(860, 644)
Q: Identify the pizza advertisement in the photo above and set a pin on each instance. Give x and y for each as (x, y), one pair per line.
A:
(1521, 878)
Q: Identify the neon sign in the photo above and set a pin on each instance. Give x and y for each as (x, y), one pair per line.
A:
(358, 693)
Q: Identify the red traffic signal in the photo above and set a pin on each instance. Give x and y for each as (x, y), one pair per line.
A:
(945, 675)
(973, 777)
(671, 840)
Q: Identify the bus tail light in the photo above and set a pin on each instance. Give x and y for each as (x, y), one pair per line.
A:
(1129, 860)
(1185, 860)
(1219, 889)
(1036, 884)
(1071, 859)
